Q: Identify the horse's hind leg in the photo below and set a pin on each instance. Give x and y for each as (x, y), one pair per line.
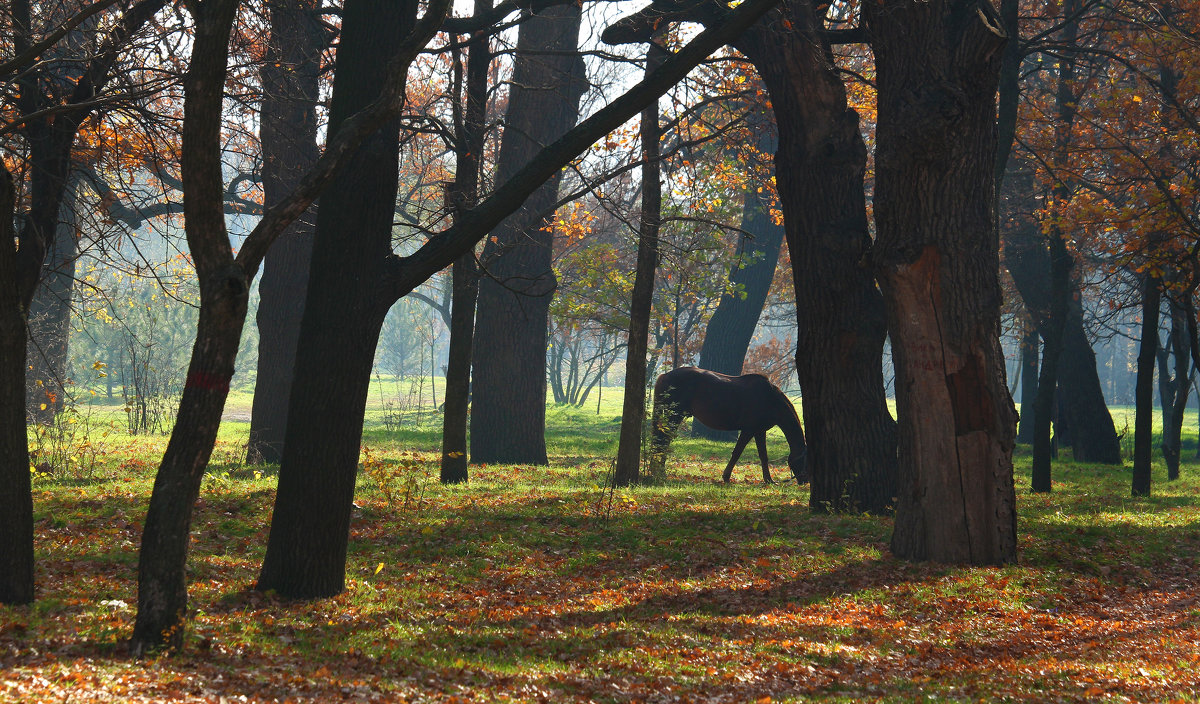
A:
(761, 441)
(743, 438)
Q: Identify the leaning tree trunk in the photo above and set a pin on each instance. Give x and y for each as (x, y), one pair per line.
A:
(288, 133)
(343, 314)
(731, 328)
(16, 499)
(819, 168)
(633, 410)
(508, 413)
(50, 317)
(936, 255)
(1143, 423)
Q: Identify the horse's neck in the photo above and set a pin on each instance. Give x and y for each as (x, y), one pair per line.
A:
(790, 425)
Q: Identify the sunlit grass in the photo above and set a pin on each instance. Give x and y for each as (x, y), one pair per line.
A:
(536, 583)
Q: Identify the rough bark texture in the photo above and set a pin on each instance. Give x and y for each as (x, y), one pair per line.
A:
(50, 318)
(819, 170)
(727, 338)
(937, 260)
(288, 134)
(16, 501)
(224, 292)
(343, 313)
(633, 410)
(1143, 420)
(508, 414)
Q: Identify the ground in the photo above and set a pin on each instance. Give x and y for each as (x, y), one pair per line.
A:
(538, 584)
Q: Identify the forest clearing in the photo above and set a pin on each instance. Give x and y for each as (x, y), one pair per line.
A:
(544, 584)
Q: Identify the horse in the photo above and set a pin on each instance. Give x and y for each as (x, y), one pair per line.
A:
(750, 404)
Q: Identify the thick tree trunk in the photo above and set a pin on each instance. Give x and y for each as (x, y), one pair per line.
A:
(1047, 392)
(16, 499)
(1030, 348)
(1143, 423)
(937, 259)
(343, 314)
(465, 274)
(50, 318)
(732, 325)
(288, 134)
(633, 411)
(508, 415)
(819, 170)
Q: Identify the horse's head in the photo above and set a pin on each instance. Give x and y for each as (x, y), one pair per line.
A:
(798, 463)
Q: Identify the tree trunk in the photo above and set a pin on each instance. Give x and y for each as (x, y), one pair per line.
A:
(1047, 390)
(732, 325)
(1030, 348)
(1174, 389)
(16, 499)
(343, 314)
(936, 254)
(819, 170)
(508, 415)
(50, 318)
(471, 123)
(1143, 423)
(224, 292)
(288, 134)
(633, 410)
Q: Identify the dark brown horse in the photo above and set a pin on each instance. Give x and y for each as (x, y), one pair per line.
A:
(750, 404)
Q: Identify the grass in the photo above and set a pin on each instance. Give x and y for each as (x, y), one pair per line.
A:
(536, 584)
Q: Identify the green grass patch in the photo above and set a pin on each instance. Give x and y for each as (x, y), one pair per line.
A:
(538, 584)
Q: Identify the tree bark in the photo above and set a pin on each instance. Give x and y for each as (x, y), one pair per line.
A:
(1143, 422)
(936, 254)
(224, 293)
(465, 274)
(732, 325)
(309, 534)
(16, 499)
(343, 313)
(819, 169)
(633, 410)
(50, 317)
(508, 415)
(288, 135)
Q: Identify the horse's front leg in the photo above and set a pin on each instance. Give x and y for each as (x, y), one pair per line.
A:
(743, 438)
(761, 441)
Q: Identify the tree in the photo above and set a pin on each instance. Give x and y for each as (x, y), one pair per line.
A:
(49, 116)
(290, 76)
(936, 256)
(224, 279)
(309, 532)
(508, 415)
(633, 411)
(465, 274)
(819, 169)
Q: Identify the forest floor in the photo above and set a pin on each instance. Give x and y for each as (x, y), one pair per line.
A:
(537, 584)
